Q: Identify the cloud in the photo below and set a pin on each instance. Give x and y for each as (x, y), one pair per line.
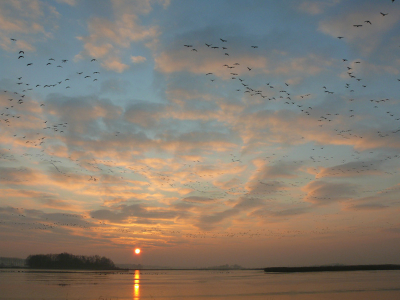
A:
(132, 7)
(367, 206)
(285, 169)
(367, 38)
(114, 64)
(264, 188)
(322, 192)
(395, 230)
(49, 200)
(69, 2)
(198, 199)
(269, 215)
(114, 86)
(288, 127)
(314, 7)
(125, 212)
(178, 60)
(352, 169)
(11, 175)
(33, 219)
(228, 184)
(367, 70)
(274, 56)
(80, 112)
(93, 124)
(380, 199)
(25, 22)
(145, 114)
(138, 59)
(197, 142)
(107, 39)
(210, 220)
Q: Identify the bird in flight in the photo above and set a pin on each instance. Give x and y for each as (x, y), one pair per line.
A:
(224, 41)
(383, 14)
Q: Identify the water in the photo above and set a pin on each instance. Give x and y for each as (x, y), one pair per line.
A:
(185, 285)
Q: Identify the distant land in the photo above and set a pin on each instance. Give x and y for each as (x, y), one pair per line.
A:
(12, 262)
(335, 268)
(66, 261)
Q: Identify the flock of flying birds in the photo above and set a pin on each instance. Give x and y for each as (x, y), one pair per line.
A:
(275, 92)
(283, 94)
(16, 97)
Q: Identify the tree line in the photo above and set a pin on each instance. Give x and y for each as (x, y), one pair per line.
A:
(69, 261)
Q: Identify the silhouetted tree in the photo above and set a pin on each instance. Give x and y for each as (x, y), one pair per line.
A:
(69, 261)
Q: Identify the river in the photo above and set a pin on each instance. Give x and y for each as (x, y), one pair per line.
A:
(17, 284)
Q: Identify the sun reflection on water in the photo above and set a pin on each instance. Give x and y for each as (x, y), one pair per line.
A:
(136, 292)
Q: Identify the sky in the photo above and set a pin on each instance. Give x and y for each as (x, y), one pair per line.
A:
(258, 133)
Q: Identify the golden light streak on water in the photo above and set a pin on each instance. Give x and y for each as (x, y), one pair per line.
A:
(136, 292)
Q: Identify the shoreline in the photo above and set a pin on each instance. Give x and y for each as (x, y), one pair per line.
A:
(344, 268)
(32, 270)
(304, 269)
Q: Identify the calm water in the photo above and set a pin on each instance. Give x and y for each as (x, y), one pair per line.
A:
(185, 285)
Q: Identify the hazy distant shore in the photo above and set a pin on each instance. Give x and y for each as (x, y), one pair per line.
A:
(332, 268)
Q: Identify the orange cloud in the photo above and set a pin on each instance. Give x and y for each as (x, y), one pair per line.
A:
(323, 192)
(107, 38)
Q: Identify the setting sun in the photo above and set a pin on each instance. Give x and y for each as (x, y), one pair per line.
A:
(137, 251)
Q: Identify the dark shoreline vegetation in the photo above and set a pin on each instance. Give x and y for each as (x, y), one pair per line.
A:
(332, 268)
(66, 261)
